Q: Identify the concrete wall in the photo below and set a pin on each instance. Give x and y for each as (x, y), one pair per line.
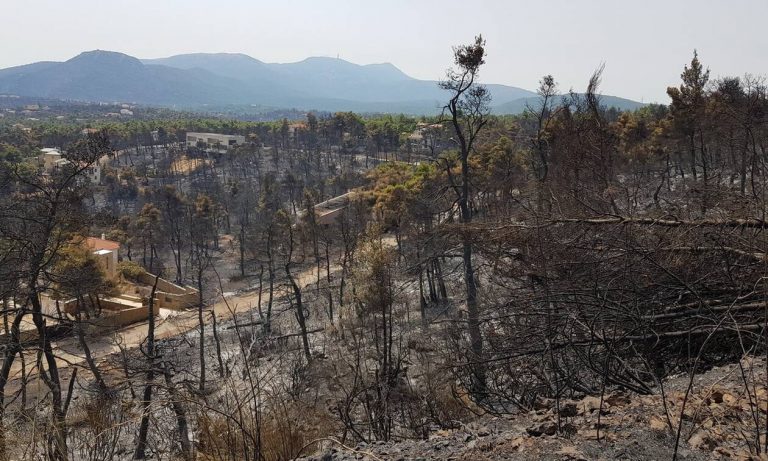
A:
(127, 309)
(162, 285)
(176, 302)
(169, 295)
(117, 319)
(119, 304)
(330, 217)
(27, 331)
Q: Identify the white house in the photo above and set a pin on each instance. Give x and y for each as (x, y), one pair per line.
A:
(93, 173)
(213, 141)
(51, 159)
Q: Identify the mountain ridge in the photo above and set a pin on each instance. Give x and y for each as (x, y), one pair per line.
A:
(200, 79)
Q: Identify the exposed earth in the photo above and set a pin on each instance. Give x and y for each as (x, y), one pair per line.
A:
(719, 422)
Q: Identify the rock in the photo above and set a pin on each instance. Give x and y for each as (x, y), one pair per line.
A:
(702, 441)
(722, 452)
(745, 455)
(542, 403)
(658, 424)
(716, 396)
(568, 410)
(440, 445)
(590, 404)
(617, 400)
(483, 432)
(746, 404)
(730, 399)
(569, 429)
(517, 443)
(571, 453)
(544, 428)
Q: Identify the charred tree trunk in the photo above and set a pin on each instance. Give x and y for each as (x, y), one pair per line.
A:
(217, 340)
(11, 349)
(100, 383)
(146, 400)
(181, 416)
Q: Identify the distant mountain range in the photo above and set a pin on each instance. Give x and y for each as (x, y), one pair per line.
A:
(197, 80)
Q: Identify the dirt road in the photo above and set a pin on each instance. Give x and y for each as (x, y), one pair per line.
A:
(167, 325)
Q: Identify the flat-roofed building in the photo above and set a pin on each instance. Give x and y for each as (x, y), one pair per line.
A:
(105, 251)
(214, 141)
(51, 159)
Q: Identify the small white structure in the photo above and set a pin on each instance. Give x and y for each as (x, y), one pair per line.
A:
(126, 112)
(214, 141)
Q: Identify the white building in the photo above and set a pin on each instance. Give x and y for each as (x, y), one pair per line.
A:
(214, 141)
(50, 159)
(105, 252)
(93, 173)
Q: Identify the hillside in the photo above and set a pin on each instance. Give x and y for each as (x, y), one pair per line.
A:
(328, 78)
(631, 427)
(107, 76)
(200, 79)
(519, 105)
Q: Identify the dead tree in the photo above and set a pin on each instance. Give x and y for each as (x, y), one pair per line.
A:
(301, 318)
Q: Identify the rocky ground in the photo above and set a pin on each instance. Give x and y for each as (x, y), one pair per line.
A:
(722, 411)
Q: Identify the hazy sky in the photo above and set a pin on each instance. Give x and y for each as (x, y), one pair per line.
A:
(643, 43)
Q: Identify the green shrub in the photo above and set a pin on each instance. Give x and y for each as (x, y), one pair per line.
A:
(130, 270)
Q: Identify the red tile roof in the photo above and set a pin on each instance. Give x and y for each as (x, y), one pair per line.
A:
(101, 244)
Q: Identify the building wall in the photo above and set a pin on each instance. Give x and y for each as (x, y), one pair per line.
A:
(225, 141)
(108, 261)
(330, 217)
(121, 318)
(51, 159)
(93, 173)
(48, 159)
(169, 295)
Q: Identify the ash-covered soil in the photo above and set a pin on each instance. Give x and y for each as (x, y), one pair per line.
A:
(724, 418)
